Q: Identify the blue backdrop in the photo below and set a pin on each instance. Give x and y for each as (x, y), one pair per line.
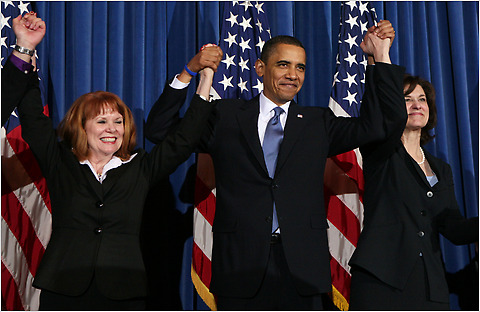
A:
(133, 48)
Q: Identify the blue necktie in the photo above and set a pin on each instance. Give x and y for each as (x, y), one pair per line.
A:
(271, 145)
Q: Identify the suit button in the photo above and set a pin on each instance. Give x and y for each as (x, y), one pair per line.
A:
(420, 254)
(429, 194)
(269, 219)
(98, 230)
(421, 234)
(274, 185)
(99, 204)
(423, 213)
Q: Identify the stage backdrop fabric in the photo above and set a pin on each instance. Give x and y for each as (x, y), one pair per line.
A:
(133, 48)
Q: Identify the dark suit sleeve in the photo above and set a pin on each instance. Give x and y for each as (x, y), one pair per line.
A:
(451, 223)
(380, 113)
(164, 115)
(15, 84)
(38, 131)
(181, 143)
(394, 121)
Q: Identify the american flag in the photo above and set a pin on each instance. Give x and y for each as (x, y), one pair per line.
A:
(244, 31)
(344, 184)
(26, 213)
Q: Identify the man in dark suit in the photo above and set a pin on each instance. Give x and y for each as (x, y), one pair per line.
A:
(270, 248)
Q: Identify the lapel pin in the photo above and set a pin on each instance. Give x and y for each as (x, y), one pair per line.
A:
(300, 116)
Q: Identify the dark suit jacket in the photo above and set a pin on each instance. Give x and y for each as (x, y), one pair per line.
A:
(95, 227)
(245, 192)
(404, 215)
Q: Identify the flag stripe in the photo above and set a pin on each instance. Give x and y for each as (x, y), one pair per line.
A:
(29, 196)
(341, 249)
(21, 227)
(10, 298)
(203, 236)
(15, 262)
(342, 278)
(343, 219)
(21, 149)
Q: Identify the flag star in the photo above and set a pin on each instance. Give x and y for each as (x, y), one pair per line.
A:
(235, 2)
(245, 23)
(352, 21)
(350, 98)
(335, 77)
(350, 79)
(243, 85)
(230, 39)
(229, 60)
(244, 44)
(7, 3)
(351, 4)
(23, 7)
(226, 82)
(259, 86)
(232, 19)
(363, 27)
(269, 34)
(364, 62)
(350, 59)
(3, 41)
(4, 21)
(243, 64)
(258, 6)
(259, 25)
(247, 4)
(363, 7)
(260, 43)
(351, 41)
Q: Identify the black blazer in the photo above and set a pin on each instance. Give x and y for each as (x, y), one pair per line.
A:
(95, 227)
(404, 215)
(245, 192)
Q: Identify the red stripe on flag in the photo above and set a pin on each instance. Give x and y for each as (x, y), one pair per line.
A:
(28, 160)
(202, 265)
(349, 164)
(341, 279)
(10, 298)
(205, 201)
(22, 228)
(342, 218)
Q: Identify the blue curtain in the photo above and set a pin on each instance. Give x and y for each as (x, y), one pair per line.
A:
(133, 48)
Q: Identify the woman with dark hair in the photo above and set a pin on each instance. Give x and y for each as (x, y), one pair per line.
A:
(97, 182)
(409, 199)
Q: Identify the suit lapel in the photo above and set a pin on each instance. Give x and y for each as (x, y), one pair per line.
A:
(414, 168)
(293, 128)
(248, 123)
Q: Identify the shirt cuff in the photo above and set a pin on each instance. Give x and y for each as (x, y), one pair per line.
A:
(177, 84)
(21, 64)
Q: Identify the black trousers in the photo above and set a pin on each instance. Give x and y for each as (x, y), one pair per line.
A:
(91, 300)
(369, 293)
(277, 291)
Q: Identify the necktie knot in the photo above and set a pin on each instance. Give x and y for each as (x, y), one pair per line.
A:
(276, 118)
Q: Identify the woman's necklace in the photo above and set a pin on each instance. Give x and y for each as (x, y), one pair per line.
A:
(423, 157)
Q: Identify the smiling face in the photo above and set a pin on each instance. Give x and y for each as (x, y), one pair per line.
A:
(283, 73)
(104, 133)
(417, 108)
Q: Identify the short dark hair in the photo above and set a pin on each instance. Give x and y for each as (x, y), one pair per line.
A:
(270, 46)
(409, 84)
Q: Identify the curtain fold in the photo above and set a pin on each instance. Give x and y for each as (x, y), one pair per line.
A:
(133, 48)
